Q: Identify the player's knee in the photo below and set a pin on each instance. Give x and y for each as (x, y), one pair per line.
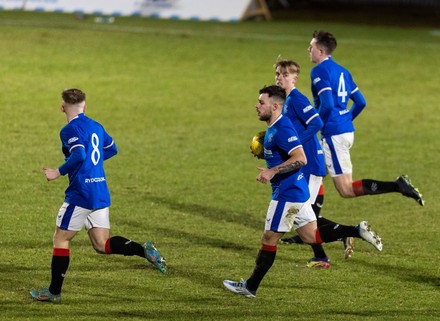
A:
(308, 238)
(99, 248)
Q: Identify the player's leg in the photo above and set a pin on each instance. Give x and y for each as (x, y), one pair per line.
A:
(401, 185)
(70, 220)
(320, 258)
(333, 232)
(337, 158)
(98, 228)
(278, 221)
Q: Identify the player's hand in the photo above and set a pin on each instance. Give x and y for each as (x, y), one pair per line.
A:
(266, 175)
(51, 173)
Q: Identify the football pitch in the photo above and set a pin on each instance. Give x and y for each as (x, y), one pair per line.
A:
(179, 99)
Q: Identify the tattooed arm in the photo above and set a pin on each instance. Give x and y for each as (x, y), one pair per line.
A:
(297, 159)
(290, 167)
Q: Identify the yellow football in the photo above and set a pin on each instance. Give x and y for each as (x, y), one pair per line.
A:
(257, 145)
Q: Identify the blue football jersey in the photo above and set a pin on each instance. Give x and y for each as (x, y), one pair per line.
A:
(300, 112)
(328, 75)
(280, 139)
(87, 183)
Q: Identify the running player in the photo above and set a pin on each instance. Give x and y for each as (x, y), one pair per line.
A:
(85, 145)
(290, 205)
(307, 123)
(332, 88)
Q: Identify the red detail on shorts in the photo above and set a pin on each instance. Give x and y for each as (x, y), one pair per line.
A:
(358, 190)
(269, 248)
(108, 249)
(318, 237)
(60, 252)
(321, 190)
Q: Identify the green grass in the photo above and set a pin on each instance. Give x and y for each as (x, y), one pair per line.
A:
(179, 97)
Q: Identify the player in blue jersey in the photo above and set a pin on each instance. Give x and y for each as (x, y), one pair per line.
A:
(307, 123)
(332, 88)
(85, 145)
(290, 204)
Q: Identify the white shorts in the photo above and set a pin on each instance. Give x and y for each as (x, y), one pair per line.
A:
(282, 216)
(73, 218)
(314, 185)
(337, 153)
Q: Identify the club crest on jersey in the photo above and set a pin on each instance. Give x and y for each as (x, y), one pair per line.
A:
(270, 138)
(71, 140)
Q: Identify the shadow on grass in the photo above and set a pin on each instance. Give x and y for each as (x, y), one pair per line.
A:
(209, 212)
(403, 273)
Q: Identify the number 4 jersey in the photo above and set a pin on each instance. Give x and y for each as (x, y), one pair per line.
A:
(329, 76)
(87, 181)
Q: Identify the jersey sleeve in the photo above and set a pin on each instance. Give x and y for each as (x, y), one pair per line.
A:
(70, 139)
(110, 148)
(75, 160)
(287, 139)
(359, 103)
(307, 114)
(73, 149)
(320, 80)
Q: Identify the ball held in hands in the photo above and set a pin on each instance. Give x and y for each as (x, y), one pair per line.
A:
(257, 145)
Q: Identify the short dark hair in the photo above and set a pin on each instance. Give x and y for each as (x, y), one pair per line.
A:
(325, 40)
(274, 91)
(73, 96)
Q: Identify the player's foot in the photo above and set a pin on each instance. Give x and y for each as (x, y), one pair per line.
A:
(153, 256)
(407, 189)
(291, 240)
(348, 246)
(44, 295)
(368, 235)
(239, 288)
(318, 262)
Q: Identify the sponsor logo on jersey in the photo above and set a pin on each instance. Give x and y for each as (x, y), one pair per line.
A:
(292, 139)
(309, 107)
(343, 112)
(316, 80)
(300, 176)
(267, 153)
(71, 140)
(94, 180)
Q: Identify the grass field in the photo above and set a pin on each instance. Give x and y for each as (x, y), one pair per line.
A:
(179, 97)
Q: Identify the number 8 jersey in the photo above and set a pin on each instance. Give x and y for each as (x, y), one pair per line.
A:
(87, 181)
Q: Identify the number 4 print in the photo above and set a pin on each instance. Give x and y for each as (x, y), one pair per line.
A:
(341, 88)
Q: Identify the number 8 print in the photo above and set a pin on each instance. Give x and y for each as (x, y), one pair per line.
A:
(95, 153)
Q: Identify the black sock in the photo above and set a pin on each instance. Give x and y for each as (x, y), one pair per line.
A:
(373, 187)
(59, 266)
(263, 263)
(121, 245)
(318, 251)
(321, 221)
(317, 206)
(333, 232)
